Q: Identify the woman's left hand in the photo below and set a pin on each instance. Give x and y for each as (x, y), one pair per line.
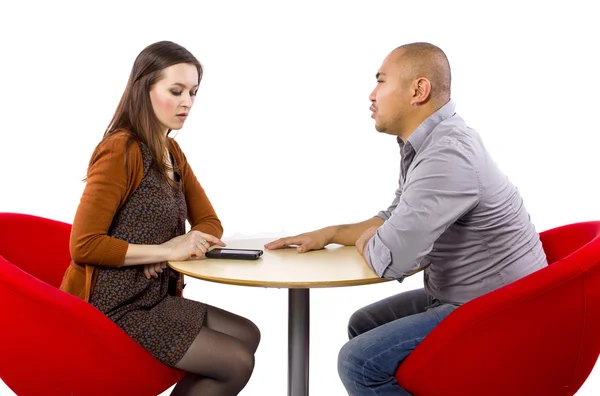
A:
(152, 270)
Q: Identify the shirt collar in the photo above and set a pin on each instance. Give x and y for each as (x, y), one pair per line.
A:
(417, 138)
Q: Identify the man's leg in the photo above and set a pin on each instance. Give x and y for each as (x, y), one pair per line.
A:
(387, 310)
(367, 364)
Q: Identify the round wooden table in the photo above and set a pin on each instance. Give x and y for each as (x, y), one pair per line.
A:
(334, 266)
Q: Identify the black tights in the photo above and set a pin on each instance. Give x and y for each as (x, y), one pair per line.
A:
(220, 361)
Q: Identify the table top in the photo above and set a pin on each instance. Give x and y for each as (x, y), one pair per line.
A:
(333, 266)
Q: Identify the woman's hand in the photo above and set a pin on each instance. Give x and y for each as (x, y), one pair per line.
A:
(192, 244)
(152, 270)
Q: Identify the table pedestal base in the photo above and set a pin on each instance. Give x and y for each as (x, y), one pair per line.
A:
(298, 341)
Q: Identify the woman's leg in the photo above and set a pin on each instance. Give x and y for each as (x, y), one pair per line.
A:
(233, 325)
(218, 362)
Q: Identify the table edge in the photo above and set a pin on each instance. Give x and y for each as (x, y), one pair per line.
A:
(283, 285)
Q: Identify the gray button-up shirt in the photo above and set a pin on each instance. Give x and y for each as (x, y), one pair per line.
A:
(456, 214)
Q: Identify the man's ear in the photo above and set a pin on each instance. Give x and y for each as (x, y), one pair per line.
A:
(421, 88)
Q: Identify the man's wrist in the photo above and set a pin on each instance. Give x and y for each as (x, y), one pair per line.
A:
(329, 234)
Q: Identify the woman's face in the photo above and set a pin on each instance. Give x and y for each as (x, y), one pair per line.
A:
(173, 96)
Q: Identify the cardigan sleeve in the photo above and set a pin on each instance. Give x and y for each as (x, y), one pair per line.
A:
(201, 214)
(109, 184)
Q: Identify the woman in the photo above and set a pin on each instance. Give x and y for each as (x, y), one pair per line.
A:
(131, 220)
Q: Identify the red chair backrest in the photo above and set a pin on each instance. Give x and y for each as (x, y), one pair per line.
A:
(37, 245)
(579, 244)
(572, 239)
(53, 343)
(538, 335)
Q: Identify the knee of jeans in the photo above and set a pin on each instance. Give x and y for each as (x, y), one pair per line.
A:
(348, 359)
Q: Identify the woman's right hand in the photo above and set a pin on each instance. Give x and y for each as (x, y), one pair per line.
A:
(192, 244)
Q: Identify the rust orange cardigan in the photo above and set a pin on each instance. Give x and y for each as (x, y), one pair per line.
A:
(108, 187)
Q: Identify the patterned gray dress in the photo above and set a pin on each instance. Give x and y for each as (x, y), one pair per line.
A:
(165, 325)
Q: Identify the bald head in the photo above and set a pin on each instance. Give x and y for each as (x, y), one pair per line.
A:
(425, 60)
(413, 82)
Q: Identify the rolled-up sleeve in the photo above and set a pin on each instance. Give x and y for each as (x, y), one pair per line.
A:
(441, 188)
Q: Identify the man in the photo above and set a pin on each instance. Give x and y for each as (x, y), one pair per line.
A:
(455, 216)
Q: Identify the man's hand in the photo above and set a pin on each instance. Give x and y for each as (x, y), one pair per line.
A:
(313, 240)
(361, 242)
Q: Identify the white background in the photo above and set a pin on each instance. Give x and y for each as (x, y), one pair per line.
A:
(280, 135)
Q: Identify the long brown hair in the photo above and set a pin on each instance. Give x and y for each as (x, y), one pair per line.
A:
(135, 114)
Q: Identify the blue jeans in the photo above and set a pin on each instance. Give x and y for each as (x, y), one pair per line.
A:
(381, 337)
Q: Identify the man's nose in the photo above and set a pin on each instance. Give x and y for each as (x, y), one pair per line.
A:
(372, 95)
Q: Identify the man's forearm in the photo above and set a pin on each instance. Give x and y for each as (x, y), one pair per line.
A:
(348, 234)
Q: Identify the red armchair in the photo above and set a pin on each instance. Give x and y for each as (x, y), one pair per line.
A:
(537, 336)
(52, 343)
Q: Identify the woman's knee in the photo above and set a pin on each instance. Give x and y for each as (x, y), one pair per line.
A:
(251, 334)
(242, 367)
